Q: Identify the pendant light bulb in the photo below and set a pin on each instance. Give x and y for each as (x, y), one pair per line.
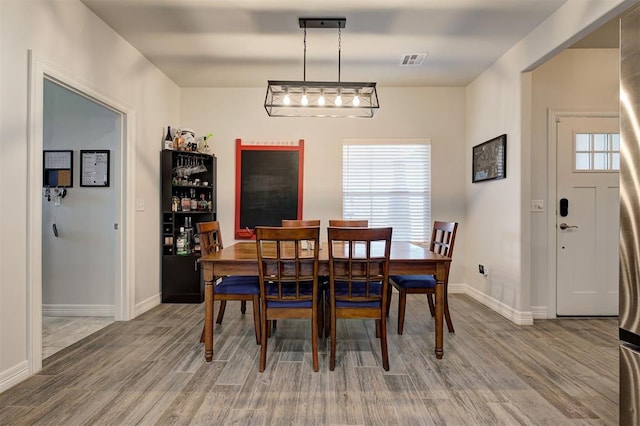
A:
(338, 100)
(286, 100)
(321, 100)
(304, 100)
(356, 101)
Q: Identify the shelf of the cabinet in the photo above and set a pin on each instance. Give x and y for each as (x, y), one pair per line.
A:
(195, 211)
(192, 186)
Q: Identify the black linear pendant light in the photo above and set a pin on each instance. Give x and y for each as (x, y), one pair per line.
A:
(321, 98)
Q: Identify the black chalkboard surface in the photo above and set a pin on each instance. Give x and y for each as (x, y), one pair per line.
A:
(269, 187)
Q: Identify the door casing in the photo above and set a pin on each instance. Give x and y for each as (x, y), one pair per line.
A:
(39, 69)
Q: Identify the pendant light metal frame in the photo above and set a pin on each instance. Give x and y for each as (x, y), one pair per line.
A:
(321, 98)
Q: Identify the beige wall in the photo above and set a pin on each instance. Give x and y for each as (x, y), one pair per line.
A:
(576, 80)
(70, 38)
(406, 113)
(499, 101)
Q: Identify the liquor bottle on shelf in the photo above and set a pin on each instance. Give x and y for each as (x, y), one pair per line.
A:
(181, 243)
(196, 243)
(202, 204)
(188, 230)
(185, 203)
(209, 204)
(194, 200)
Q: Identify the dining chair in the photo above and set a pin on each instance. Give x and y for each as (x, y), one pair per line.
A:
(358, 280)
(293, 223)
(351, 223)
(233, 287)
(443, 238)
(288, 276)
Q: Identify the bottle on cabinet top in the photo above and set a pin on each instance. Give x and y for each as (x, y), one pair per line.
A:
(168, 140)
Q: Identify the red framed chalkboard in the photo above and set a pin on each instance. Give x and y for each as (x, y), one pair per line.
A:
(269, 178)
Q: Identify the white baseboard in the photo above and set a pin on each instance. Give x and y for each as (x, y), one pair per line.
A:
(13, 375)
(78, 310)
(147, 304)
(540, 312)
(518, 317)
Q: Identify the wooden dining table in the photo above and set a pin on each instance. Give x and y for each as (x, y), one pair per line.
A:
(407, 258)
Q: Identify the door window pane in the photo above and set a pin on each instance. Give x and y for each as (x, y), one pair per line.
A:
(597, 152)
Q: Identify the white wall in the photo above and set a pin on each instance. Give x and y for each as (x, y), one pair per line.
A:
(576, 80)
(78, 265)
(498, 217)
(435, 113)
(73, 40)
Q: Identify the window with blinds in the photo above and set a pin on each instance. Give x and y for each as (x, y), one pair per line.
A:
(389, 183)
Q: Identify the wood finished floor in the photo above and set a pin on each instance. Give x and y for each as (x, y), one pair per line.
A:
(151, 370)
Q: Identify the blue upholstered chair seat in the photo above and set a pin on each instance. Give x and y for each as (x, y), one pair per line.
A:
(306, 289)
(414, 281)
(357, 290)
(237, 284)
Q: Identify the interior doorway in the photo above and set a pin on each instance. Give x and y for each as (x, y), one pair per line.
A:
(123, 306)
(79, 211)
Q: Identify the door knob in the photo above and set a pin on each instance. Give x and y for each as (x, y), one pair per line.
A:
(564, 226)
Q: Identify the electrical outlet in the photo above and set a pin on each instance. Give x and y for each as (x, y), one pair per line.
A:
(483, 270)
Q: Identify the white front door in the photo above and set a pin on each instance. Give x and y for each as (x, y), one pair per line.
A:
(587, 209)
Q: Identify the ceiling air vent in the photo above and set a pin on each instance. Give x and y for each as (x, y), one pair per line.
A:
(414, 58)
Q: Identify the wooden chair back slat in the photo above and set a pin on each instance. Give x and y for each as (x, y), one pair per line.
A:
(299, 223)
(349, 223)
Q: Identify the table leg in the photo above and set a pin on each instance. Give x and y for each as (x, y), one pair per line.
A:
(438, 318)
(208, 311)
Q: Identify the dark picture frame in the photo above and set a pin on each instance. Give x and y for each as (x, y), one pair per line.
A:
(57, 168)
(94, 168)
(490, 160)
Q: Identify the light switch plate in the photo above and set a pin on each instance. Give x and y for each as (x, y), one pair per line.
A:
(139, 205)
(537, 205)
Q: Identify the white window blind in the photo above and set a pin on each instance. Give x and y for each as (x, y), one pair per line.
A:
(390, 185)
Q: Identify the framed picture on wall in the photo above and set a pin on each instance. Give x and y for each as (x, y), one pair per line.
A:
(490, 160)
(94, 168)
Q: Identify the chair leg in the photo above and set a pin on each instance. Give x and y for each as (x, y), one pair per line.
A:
(378, 328)
(327, 318)
(431, 305)
(256, 317)
(314, 340)
(243, 307)
(321, 319)
(447, 315)
(332, 356)
(389, 293)
(383, 345)
(223, 305)
(202, 336)
(263, 340)
(402, 304)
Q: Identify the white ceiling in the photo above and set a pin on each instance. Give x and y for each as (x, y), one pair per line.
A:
(244, 43)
